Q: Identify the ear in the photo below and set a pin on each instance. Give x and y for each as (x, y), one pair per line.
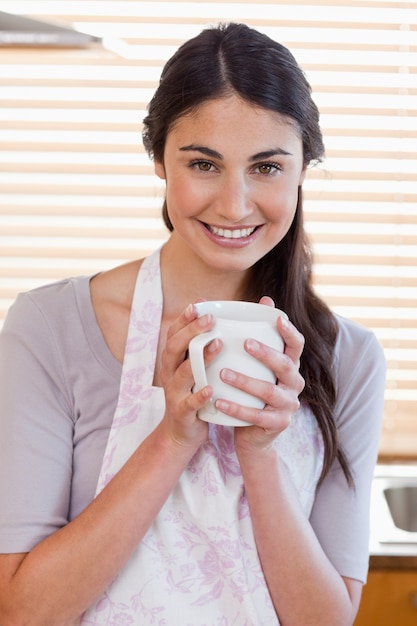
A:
(159, 169)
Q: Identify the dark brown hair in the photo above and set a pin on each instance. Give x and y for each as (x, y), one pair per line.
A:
(234, 58)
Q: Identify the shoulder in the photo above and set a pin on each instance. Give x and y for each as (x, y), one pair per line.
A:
(116, 286)
(56, 324)
(51, 303)
(356, 346)
(353, 335)
(44, 326)
(41, 331)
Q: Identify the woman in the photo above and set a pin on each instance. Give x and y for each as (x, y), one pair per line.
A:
(121, 506)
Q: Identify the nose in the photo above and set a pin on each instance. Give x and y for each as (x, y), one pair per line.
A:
(234, 202)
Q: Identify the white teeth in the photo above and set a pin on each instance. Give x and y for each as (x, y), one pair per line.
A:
(238, 233)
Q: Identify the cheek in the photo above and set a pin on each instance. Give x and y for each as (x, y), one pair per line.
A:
(291, 193)
(293, 199)
(282, 204)
(180, 202)
(185, 198)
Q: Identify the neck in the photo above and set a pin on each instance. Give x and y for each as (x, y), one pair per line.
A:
(186, 278)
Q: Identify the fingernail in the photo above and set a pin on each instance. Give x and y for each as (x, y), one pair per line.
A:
(213, 345)
(222, 405)
(207, 393)
(204, 320)
(189, 311)
(228, 375)
(285, 323)
(252, 345)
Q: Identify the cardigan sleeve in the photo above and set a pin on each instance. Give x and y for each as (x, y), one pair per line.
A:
(36, 430)
(58, 391)
(340, 515)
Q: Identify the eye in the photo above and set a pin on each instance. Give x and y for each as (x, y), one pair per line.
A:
(202, 166)
(267, 169)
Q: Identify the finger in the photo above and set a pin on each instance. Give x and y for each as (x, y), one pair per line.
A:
(210, 352)
(286, 371)
(179, 335)
(196, 401)
(269, 420)
(187, 316)
(283, 397)
(267, 301)
(293, 339)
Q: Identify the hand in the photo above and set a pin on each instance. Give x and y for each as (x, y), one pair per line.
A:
(180, 419)
(281, 399)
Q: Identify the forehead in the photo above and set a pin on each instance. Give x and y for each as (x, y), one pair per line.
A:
(233, 116)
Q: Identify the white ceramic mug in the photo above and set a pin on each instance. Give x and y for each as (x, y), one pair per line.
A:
(235, 321)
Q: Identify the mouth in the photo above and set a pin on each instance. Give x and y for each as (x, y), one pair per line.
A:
(231, 233)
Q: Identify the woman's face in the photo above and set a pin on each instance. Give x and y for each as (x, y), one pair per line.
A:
(232, 173)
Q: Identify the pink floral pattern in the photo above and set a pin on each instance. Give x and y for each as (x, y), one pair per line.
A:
(198, 564)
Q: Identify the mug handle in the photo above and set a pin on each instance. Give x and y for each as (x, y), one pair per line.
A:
(196, 355)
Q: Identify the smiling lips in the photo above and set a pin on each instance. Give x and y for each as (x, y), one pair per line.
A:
(227, 233)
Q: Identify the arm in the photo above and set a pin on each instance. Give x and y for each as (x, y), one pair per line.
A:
(358, 414)
(305, 585)
(66, 572)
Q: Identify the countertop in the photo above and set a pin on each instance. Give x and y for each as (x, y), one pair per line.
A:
(390, 547)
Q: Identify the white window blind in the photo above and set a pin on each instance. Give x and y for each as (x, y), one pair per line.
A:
(78, 193)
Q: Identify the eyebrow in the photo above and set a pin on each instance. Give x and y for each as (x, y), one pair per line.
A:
(265, 154)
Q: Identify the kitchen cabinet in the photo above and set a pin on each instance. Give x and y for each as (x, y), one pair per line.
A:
(389, 599)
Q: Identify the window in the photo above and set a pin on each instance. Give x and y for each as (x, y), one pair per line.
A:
(78, 193)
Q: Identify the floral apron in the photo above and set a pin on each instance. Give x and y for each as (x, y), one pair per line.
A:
(198, 564)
